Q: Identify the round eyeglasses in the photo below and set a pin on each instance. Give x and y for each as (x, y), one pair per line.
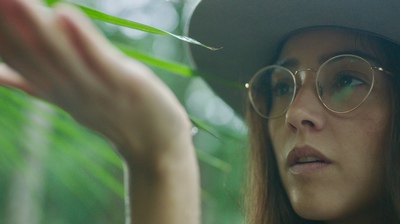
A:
(342, 84)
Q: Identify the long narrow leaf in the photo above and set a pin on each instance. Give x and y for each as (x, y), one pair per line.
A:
(173, 67)
(208, 129)
(94, 14)
(51, 2)
(213, 161)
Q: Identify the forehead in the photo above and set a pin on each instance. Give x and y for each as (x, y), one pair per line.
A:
(317, 45)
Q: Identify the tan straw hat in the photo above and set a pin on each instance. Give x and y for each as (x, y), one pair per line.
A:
(251, 30)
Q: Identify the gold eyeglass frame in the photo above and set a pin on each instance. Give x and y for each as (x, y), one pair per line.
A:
(318, 72)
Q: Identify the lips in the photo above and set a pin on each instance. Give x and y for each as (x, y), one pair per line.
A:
(306, 159)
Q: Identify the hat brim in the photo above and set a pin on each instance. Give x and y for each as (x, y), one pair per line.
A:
(249, 32)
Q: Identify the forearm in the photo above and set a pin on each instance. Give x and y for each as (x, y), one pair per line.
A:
(168, 192)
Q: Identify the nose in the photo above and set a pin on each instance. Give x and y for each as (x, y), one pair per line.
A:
(306, 113)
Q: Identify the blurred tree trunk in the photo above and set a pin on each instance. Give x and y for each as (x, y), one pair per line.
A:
(27, 186)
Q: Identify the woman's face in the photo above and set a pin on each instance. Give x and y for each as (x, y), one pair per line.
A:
(348, 182)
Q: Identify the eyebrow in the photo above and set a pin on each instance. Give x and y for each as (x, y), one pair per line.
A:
(364, 55)
(288, 62)
(294, 63)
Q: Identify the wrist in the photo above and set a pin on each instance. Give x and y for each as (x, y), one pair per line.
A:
(165, 190)
(157, 159)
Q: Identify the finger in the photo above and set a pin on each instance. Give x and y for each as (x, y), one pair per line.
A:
(9, 77)
(36, 48)
(93, 48)
(103, 59)
(22, 44)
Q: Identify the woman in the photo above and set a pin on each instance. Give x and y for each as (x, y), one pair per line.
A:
(330, 153)
(324, 148)
(323, 120)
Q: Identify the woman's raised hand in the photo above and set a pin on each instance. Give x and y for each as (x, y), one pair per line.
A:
(60, 57)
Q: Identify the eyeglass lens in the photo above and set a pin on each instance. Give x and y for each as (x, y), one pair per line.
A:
(342, 83)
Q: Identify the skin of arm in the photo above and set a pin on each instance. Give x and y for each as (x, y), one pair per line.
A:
(58, 56)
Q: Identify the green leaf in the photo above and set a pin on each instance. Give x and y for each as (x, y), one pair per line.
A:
(174, 67)
(199, 124)
(94, 14)
(213, 161)
(50, 2)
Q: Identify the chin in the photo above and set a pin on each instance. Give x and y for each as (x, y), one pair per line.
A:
(321, 211)
(335, 206)
(313, 214)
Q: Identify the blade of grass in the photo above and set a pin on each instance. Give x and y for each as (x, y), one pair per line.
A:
(174, 67)
(98, 171)
(50, 2)
(213, 161)
(95, 14)
(211, 131)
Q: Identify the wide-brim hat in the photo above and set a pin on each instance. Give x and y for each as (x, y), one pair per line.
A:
(250, 31)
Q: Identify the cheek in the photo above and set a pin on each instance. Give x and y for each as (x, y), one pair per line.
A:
(361, 138)
(276, 130)
(365, 130)
(282, 139)
(360, 150)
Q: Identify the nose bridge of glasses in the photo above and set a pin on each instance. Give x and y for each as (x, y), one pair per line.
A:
(301, 76)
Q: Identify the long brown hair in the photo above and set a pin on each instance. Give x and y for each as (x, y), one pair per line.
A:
(266, 199)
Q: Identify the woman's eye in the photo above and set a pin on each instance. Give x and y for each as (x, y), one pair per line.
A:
(281, 88)
(343, 80)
